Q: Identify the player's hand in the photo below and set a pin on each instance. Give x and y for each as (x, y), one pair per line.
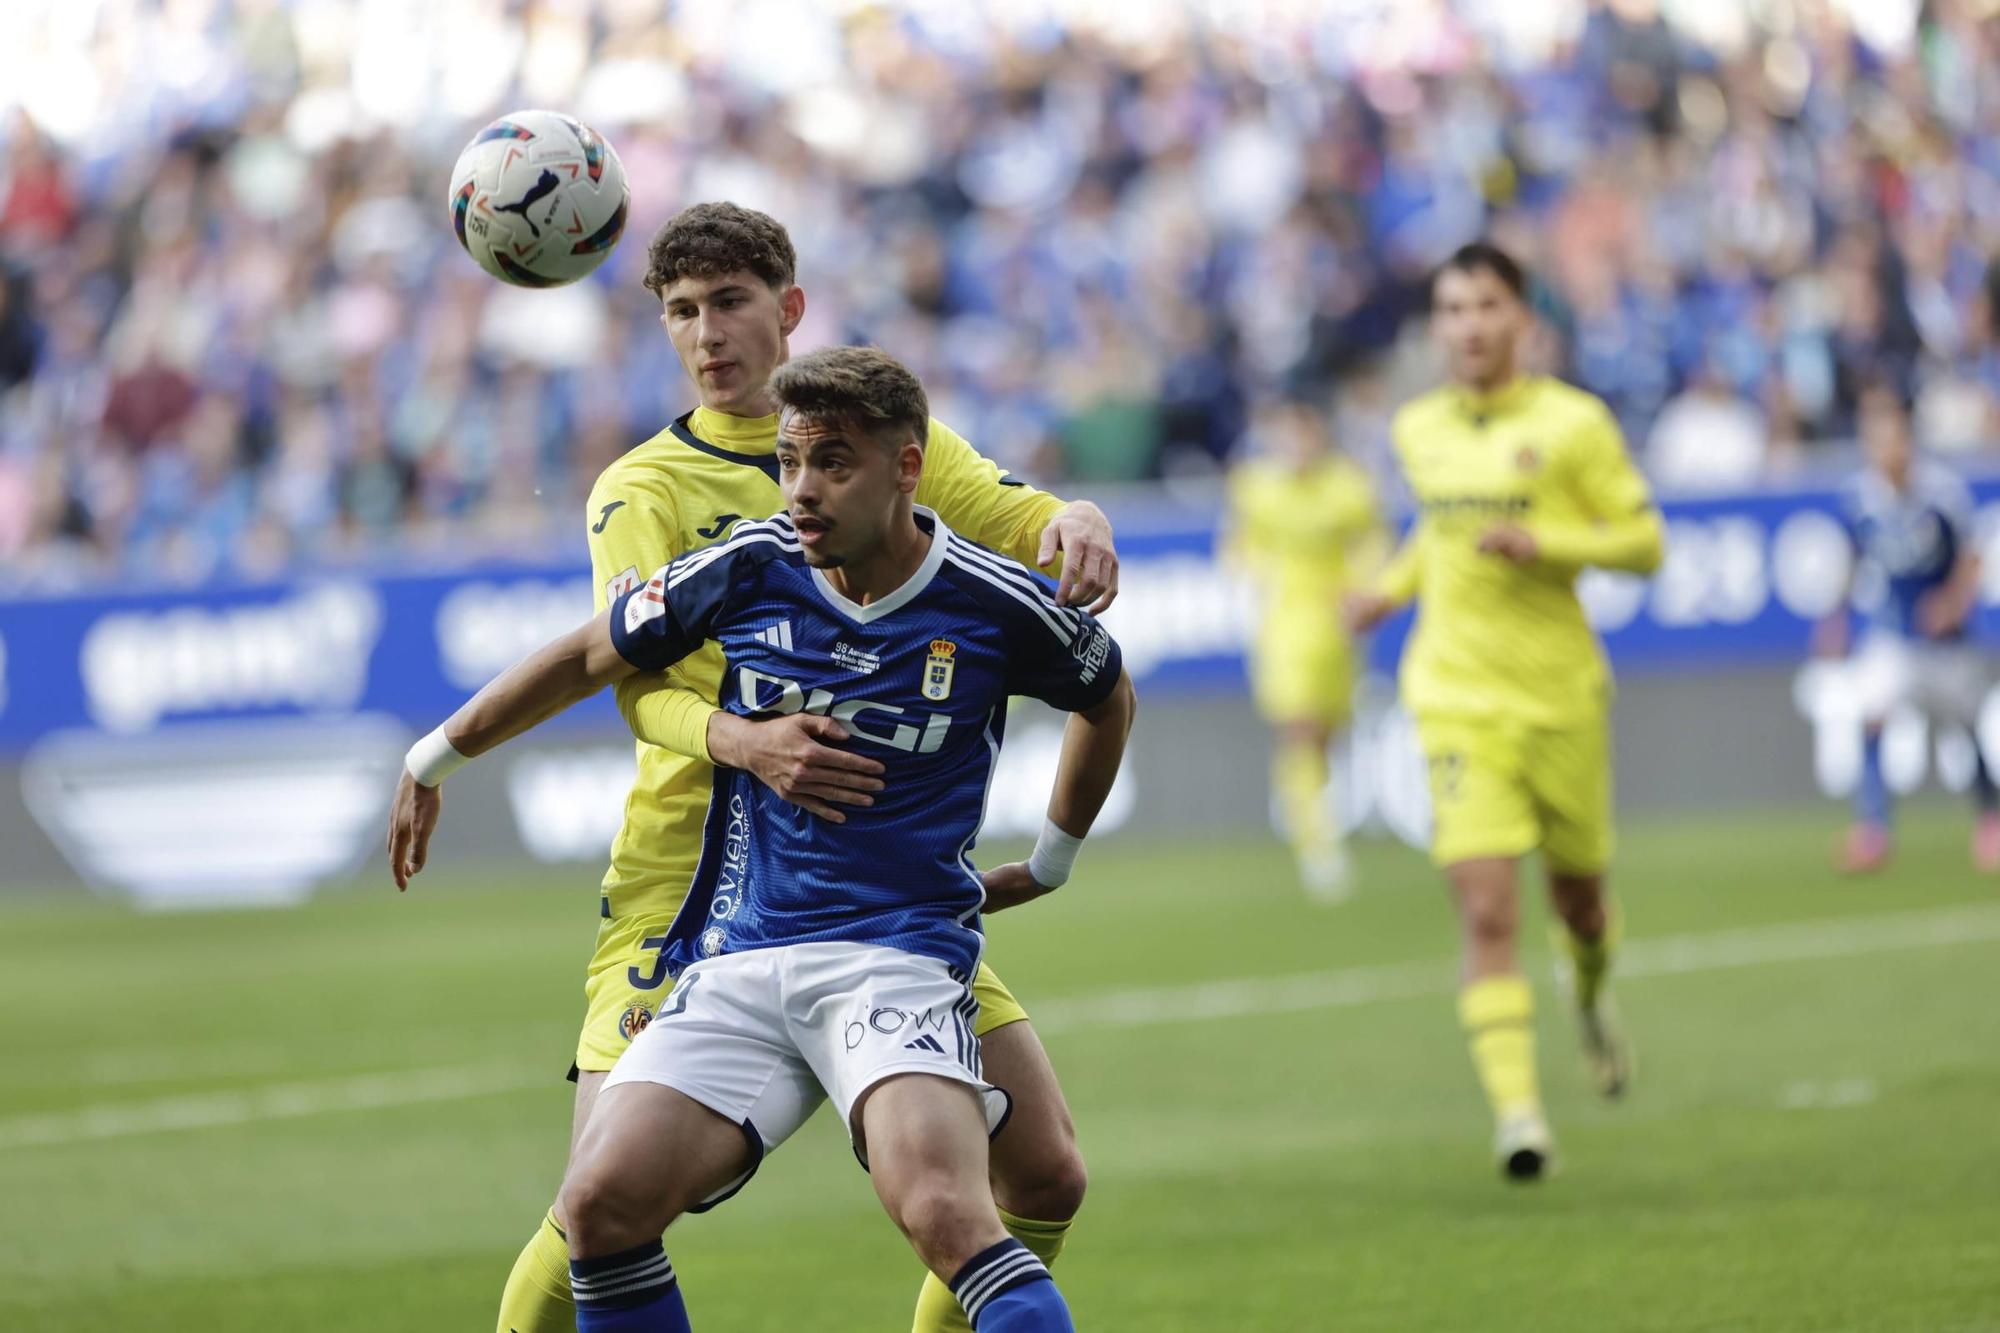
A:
(794, 757)
(1363, 611)
(1010, 886)
(413, 816)
(1082, 534)
(1510, 542)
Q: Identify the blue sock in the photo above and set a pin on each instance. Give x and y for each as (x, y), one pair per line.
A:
(1983, 790)
(1006, 1289)
(1871, 797)
(633, 1291)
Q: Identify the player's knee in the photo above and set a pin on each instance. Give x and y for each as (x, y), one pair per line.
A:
(1490, 920)
(1049, 1185)
(604, 1213)
(1579, 899)
(946, 1222)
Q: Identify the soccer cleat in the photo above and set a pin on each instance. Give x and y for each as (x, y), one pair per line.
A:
(1525, 1148)
(1605, 1048)
(1865, 851)
(1986, 842)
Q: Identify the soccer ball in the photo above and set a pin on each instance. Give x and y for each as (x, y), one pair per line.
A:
(538, 199)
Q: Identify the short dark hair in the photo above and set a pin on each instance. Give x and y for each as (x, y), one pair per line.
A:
(1475, 256)
(705, 240)
(863, 386)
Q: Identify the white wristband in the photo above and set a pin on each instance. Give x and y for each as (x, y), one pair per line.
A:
(1054, 856)
(433, 759)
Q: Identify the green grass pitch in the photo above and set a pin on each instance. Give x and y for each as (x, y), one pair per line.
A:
(348, 1117)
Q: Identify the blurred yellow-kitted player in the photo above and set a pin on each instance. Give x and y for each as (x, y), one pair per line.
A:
(1305, 526)
(1521, 482)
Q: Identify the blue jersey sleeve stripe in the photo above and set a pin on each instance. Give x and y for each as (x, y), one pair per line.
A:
(691, 565)
(1012, 570)
(746, 532)
(1021, 577)
(1056, 627)
(1024, 578)
(694, 564)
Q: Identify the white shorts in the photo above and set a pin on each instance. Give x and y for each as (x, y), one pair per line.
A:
(1945, 681)
(762, 1037)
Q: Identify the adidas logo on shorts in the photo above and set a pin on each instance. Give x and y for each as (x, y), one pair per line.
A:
(924, 1043)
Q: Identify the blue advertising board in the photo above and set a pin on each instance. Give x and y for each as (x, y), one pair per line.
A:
(1744, 578)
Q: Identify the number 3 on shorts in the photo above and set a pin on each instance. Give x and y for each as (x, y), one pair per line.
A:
(650, 980)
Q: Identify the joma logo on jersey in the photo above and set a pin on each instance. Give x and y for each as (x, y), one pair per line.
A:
(764, 693)
(937, 670)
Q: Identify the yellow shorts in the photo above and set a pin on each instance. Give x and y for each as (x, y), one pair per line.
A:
(1302, 678)
(1501, 790)
(628, 980)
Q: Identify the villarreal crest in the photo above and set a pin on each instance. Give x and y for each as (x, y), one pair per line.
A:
(937, 670)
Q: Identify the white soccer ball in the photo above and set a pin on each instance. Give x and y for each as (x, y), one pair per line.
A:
(538, 198)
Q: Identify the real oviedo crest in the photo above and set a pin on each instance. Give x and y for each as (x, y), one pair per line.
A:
(937, 670)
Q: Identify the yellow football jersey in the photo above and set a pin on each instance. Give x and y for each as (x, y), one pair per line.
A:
(680, 490)
(1495, 639)
(1303, 535)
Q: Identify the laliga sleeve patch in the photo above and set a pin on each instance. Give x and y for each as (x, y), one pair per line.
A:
(621, 583)
(648, 604)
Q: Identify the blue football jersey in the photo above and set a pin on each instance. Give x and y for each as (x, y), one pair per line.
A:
(1905, 543)
(920, 679)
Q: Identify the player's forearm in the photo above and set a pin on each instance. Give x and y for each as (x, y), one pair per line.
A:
(1093, 747)
(672, 717)
(1015, 524)
(536, 688)
(1634, 545)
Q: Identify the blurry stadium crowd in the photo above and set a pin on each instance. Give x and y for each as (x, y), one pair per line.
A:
(236, 334)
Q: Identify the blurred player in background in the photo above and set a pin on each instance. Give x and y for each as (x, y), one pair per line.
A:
(1521, 482)
(1305, 525)
(730, 301)
(1915, 581)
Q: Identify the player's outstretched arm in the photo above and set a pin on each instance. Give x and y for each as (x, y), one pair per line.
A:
(1634, 544)
(1627, 534)
(530, 692)
(1093, 747)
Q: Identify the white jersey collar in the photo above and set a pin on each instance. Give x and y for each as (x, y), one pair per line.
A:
(916, 583)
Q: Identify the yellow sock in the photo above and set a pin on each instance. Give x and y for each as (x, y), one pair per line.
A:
(938, 1311)
(1498, 1016)
(537, 1298)
(1300, 777)
(1590, 960)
